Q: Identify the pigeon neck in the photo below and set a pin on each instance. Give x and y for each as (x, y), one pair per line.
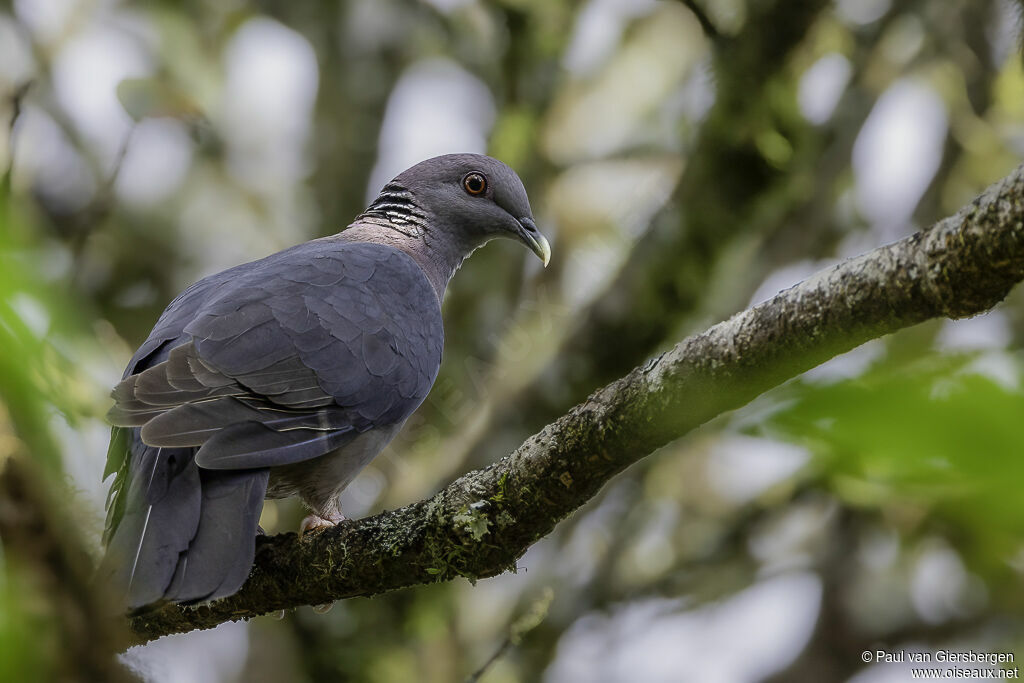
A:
(437, 258)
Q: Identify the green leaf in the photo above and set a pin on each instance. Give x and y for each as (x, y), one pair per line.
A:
(937, 434)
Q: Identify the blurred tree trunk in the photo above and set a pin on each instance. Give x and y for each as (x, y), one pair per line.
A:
(75, 631)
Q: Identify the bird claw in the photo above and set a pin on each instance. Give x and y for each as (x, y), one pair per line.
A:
(318, 523)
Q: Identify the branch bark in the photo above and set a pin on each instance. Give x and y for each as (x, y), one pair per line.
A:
(483, 522)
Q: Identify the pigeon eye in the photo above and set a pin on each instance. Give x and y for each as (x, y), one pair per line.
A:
(474, 183)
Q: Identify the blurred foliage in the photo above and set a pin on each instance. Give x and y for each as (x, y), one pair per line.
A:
(681, 177)
(932, 443)
(29, 385)
(23, 630)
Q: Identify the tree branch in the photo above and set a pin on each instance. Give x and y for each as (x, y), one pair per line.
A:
(15, 98)
(483, 522)
(706, 24)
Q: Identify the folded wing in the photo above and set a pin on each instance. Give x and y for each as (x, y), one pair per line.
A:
(269, 364)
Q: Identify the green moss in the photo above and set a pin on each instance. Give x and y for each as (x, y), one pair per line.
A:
(471, 520)
(446, 561)
(504, 519)
(499, 497)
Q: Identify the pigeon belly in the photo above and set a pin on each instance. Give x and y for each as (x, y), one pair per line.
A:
(319, 482)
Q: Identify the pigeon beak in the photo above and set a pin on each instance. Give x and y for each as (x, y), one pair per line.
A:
(530, 236)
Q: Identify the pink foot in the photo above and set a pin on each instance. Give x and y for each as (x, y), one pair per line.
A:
(318, 523)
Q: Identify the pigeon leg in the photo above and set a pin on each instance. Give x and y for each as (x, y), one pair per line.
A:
(315, 522)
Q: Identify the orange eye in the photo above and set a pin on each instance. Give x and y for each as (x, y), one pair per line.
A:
(475, 183)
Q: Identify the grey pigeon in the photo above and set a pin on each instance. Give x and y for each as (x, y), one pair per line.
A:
(286, 376)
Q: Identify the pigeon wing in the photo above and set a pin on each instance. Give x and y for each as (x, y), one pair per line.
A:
(296, 357)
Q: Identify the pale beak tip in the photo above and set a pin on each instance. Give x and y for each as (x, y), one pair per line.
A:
(538, 244)
(544, 251)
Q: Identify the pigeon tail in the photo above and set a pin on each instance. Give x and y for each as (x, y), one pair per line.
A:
(187, 535)
(220, 556)
(160, 518)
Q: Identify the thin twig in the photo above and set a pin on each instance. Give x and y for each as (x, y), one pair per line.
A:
(530, 619)
(475, 676)
(15, 98)
(99, 207)
(705, 21)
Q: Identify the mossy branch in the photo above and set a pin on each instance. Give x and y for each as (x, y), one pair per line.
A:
(484, 521)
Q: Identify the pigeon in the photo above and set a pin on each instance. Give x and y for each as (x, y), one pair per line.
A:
(286, 376)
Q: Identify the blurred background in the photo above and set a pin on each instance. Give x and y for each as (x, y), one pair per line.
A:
(686, 159)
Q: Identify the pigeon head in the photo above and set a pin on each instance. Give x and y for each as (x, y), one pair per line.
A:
(472, 198)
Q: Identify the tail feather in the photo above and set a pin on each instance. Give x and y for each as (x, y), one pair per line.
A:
(160, 518)
(184, 534)
(220, 556)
